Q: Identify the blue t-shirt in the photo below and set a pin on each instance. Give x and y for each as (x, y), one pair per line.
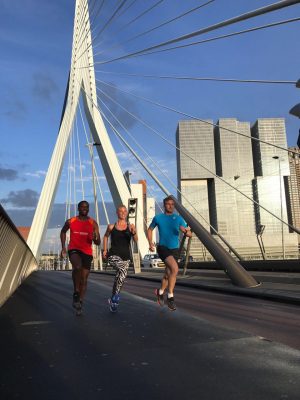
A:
(168, 228)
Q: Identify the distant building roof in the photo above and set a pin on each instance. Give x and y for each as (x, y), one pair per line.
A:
(24, 231)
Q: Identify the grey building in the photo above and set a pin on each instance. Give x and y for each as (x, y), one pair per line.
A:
(292, 185)
(196, 139)
(271, 130)
(247, 166)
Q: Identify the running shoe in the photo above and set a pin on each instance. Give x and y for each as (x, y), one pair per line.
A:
(79, 310)
(160, 297)
(114, 302)
(76, 300)
(171, 303)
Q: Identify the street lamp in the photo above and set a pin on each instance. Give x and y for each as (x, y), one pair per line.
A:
(281, 206)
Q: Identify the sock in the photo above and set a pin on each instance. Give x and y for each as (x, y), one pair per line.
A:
(170, 295)
(161, 291)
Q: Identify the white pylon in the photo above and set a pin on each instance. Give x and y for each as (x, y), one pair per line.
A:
(81, 82)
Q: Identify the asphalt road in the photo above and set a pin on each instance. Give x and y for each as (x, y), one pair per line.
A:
(274, 321)
(142, 352)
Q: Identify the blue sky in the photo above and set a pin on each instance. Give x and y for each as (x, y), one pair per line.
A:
(36, 39)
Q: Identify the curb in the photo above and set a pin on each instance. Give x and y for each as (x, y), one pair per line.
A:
(234, 290)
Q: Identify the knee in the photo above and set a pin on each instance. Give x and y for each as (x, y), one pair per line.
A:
(76, 268)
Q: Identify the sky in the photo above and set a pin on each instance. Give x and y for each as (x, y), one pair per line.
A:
(36, 42)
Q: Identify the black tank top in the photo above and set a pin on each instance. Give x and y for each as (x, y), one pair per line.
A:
(120, 243)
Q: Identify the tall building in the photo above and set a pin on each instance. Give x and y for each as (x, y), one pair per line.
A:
(292, 184)
(271, 130)
(196, 139)
(235, 213)
(249, 167)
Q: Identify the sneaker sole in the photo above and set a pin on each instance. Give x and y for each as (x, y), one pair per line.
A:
(171, 309)
(110, 307)
(157, 299)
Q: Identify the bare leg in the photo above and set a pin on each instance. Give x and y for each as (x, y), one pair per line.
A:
(76, 273)
(83, 282)
(172, 271)
(165, 280)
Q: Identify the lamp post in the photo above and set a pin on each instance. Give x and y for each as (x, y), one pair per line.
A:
(281, 207)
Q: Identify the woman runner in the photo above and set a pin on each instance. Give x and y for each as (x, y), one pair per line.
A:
(119, 254)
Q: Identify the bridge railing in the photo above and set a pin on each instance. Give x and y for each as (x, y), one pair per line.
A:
(16, 258)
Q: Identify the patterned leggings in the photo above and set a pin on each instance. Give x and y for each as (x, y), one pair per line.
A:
(122, 268)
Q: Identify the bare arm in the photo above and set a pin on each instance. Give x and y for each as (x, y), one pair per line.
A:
(133, 232)
(96, 234)
(149, 237)
(63, 236)
(186, 231)
(105, 239)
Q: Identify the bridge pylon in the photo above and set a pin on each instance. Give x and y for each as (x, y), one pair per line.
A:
(81, 83)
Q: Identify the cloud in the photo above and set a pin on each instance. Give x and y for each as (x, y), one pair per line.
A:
(24, 216)
(127, 120)
(8, 174)
(15, 109)
(44, 87)
(22, 198)
(36, 174)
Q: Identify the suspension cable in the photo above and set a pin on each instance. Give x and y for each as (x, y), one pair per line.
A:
(91, 21)
(251, 14)
(197, 78)
(216, 176)
(104, 27)
(74, 171)
(159, 26)
(132, 21)
(201, 41)
(79, 156)
(140, 15)
(67, 212)
(81, 23)
(96, 174)
(162, 172)
(190, 116)
(127, 8)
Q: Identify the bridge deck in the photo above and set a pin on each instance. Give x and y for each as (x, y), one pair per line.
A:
(141, 352)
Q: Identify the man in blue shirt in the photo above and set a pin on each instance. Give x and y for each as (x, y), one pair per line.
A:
(169, 225)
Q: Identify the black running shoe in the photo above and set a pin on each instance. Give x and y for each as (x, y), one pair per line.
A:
(76, 300)
(160, 297)
(171, 303)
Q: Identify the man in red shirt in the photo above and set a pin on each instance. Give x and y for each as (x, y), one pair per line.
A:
(83, 232)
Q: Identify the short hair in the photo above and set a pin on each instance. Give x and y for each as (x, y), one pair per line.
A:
(168, 199)
(121, 206)
(83, 201)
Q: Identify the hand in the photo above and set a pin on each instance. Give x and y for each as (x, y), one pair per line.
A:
(104, 254)
(63, 253)
(95, 236)
(151, 246)
(188, 232)
(132, 229)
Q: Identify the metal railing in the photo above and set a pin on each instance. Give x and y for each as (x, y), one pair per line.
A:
(16, 258)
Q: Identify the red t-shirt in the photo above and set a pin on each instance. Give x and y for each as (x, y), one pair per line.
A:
(81, 235)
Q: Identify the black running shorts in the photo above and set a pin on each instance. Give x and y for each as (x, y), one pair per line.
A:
(164, 252)
(86, 259)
